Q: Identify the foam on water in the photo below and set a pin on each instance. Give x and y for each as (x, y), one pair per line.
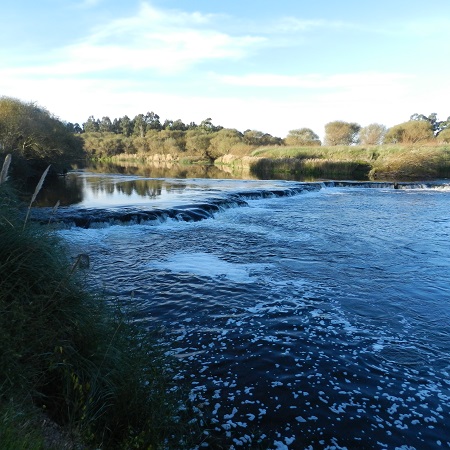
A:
(317, 321)
(207, 265)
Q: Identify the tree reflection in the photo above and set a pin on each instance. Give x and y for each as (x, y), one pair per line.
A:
(67, 190)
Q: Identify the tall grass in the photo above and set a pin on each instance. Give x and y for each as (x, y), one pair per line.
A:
(309, 168)
(35, 193)
(384, 161)
(70, 354)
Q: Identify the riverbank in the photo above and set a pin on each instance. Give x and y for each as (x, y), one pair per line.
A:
(384, 162)
(389, 162)
(75, 371)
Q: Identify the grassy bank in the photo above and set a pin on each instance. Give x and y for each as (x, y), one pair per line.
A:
(377, 162)
(68, 359)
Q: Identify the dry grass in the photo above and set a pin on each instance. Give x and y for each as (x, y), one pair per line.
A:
(35, 193)
(385, 161)
(5, 168)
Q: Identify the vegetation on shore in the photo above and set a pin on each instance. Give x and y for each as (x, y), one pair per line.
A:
(359, 162)
(71, 359)
(417, 148)
(35, 138)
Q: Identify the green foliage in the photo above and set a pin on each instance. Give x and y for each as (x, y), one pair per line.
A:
(306, 168)
(444, 136)
(198, 141)
(410, 133)
(372, 134)
(436, 125)
(101, 145)
(222, 142)
(76, 358)
(18, 430)
(258, 138)
(341, 133)
(302, 137)
(32, 135)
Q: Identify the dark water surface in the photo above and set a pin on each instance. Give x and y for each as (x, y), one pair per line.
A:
(317, 320)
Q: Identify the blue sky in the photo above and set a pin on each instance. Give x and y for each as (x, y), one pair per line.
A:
(266, 65)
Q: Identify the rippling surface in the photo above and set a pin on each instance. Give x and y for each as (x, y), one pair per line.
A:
(320, 320)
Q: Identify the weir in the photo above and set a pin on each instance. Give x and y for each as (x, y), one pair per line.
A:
(205, 208)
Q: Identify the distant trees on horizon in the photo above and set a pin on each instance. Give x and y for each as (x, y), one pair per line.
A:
(145, 133)
(34, 134)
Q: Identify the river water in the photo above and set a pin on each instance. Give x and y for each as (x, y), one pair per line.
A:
(305, 316)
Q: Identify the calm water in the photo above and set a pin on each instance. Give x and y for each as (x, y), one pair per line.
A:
(316, 320)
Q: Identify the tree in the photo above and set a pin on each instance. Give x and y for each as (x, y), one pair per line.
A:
(258, 138)
(152, 121)
(105, 125)
(372, 134)
(77, 129)
(198, 141)
(34, 136)
(178, 125)
(410, 132)
(436, 125)
(140, 125)
(444, 136)
(341, 133)
(116, 126)
(126, 126)
(91, 125)
(222, 142)
(302, 137)
(207, 125)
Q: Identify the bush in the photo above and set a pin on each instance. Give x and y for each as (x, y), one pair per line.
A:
(409, 133)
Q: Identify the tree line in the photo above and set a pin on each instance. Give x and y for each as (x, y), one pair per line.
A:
(34, 134)
(145, 134)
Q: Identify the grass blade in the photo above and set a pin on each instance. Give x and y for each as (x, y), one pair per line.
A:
(55, 208)
(36, 192)
(5, 168)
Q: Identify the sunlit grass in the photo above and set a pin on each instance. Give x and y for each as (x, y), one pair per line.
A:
(386, 161)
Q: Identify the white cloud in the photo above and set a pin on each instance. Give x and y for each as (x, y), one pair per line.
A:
(153, 39)
(168, 41)
(295, 24)
(85, 4)
(316, 81)
(75, 99)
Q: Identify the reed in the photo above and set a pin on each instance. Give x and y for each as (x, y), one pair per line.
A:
(35, 193)
(5, 168)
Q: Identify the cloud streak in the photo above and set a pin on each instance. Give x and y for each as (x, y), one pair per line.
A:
(316, 81)
(152, 39)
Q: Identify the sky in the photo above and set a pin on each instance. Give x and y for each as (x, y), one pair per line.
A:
(271, 66)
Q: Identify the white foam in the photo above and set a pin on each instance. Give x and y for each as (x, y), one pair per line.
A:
(207, 265)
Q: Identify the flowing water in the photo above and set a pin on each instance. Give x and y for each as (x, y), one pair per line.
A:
(305, 316)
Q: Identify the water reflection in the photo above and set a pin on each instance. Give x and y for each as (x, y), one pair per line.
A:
(171, 170)
(67, 190)
(108, 184)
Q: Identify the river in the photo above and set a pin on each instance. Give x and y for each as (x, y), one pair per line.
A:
(304, 315)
